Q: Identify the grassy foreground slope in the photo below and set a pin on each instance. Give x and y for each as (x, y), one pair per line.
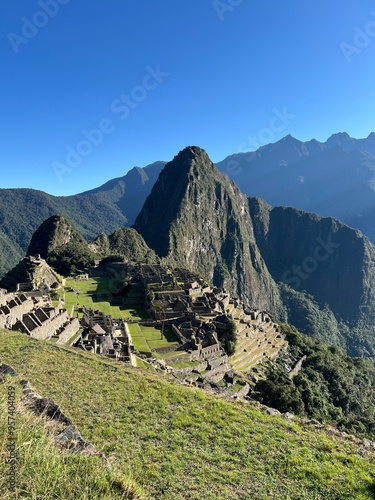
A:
(43, 472)
(177, 442)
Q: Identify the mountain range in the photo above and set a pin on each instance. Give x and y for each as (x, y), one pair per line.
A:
(333, 179)
(105, 209)
(312, 272)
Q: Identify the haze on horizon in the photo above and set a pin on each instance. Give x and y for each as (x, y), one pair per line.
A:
(99, 88)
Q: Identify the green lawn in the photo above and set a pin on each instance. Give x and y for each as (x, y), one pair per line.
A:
(96, 293)
(140, 343)
(146, 338)
(173, 441)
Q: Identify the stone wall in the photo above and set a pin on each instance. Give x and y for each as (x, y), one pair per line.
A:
(188, 370)
(45, 331)
(178, 334)
(211, 351)
(218, 373)
(10, 315)
(70, 329)
(215, 362)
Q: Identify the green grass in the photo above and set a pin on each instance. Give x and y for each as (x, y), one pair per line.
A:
(43, 471)
(180, 443)
(146, 366)
(97, 293)
(185, 364)
(156, 339)
(146, 338)
(140, 343)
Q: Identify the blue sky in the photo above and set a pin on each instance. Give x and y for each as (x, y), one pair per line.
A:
(90, 88)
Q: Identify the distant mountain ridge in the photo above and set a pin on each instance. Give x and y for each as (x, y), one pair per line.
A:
(334, 179)
(104, 209)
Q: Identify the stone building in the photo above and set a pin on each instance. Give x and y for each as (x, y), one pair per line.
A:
(104, 335)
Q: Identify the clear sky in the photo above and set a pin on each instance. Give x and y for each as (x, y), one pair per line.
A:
(91, 88)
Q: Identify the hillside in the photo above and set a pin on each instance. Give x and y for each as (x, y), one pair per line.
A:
(61, 245)
(320, 381)
(177, 442)
(332, 179)
(105, 209)
(325, 258)
(67, 251)
(125, 242)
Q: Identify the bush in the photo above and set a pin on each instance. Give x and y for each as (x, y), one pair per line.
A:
(228, 338)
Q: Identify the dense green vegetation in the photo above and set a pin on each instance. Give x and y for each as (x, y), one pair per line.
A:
(67, 251)
(327, 273)
(71, 258)
(228, 337)
(61, 245)
(330, 387)
(174, 441)
(309, 317)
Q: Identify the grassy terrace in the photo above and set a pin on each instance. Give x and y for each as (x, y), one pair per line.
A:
(96, 293)
(173, 442)
(146, 338)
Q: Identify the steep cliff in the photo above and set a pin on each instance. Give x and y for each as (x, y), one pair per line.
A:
(330, 261)
(196, 218)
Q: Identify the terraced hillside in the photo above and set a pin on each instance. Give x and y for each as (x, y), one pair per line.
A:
(257, 341)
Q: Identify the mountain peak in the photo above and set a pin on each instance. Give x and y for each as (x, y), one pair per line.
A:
(191, 156)
(290, 138)
(197, 219)
(339, 138)
(52, 234)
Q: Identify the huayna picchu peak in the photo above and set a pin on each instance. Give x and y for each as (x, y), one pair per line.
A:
(196, 218)
(274, 259)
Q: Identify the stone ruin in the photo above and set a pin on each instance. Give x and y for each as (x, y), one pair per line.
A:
(36, 317)
(198, 337)
(104, 335)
